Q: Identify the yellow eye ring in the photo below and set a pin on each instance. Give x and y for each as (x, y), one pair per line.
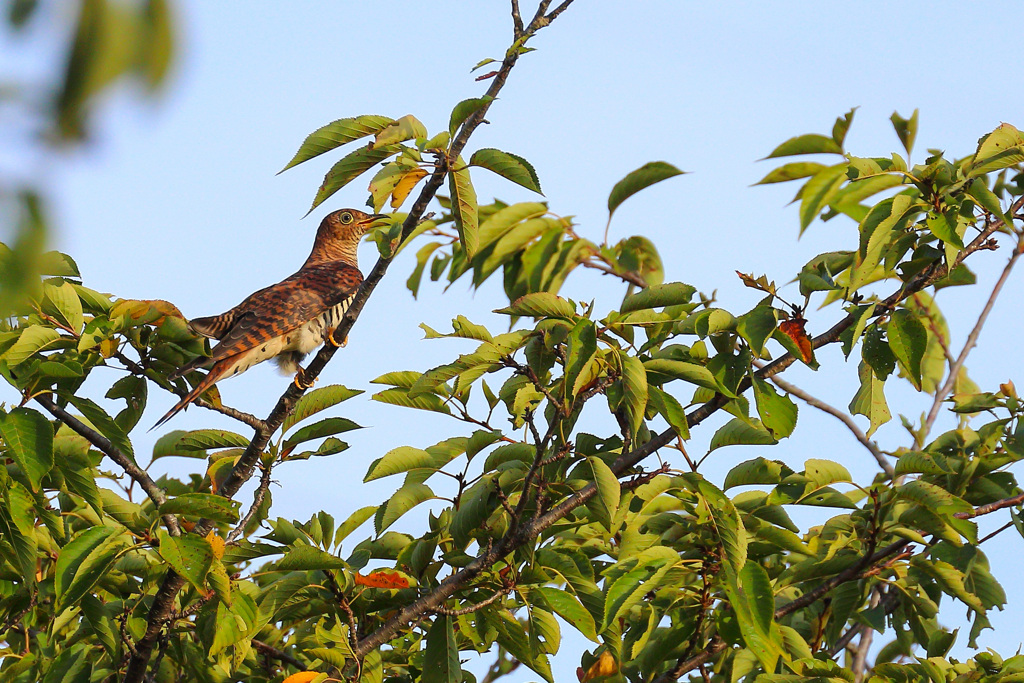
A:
(347, 218)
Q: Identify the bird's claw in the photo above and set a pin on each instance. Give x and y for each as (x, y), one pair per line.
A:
(333, 342)
(301, 382)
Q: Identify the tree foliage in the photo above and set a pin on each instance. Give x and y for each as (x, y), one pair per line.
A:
(537, 526)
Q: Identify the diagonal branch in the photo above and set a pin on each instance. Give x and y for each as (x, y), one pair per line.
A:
(843, 417)
(163, 602)
(126, 463)
(972, 339)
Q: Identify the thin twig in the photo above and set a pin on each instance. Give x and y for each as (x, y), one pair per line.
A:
(1010, 502)
(475, 606)
(279, 655)
(626, 276)
(124, 461)
(972, 339)
(257, 501)
(843, 417)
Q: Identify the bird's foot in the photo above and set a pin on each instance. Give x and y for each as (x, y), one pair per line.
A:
(302, 382)
(334, 342)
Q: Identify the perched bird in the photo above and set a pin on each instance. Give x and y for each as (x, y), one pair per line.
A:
(287, 320)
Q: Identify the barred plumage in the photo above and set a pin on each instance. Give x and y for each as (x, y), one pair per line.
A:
(287, 320)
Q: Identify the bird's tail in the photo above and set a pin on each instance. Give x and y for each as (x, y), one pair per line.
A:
(215, 373)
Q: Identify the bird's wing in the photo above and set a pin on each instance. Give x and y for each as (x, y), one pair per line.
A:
(291, 303)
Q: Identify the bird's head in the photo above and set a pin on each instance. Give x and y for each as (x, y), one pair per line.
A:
(339, 233)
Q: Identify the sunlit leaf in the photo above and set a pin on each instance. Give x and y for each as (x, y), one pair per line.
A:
(643, 177)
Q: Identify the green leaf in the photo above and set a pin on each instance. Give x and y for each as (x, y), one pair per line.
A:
(737, 432)
(326, 427)
(464, 109)
(65, 302)
(349, 168)
(728, 525)
(29, 438)
(464, 207)
(806, 144)
(83, 561)
(643, 177)
(336, 134)
(819, 191)
(400, 397)
(670, 409)
(778, 413)
(104, 424)
(793, 171)
(869, 400)
(34, 338)
(634, 391)
(755, 471)
(508, 166)
(305, 557)
(540, 305)
(756, 326)
(688, 372)
(569, 608)
(205, 439)
(441, 656)
(405, 499)
(1000, 149)
(406, 128)
(189, 556)
(906, 129)
(354, 521)
(316, 400)
(655, 296)
(398, 460)
(203, 505)
(842, 126)
(908, 339)
(751, 597)
(606, 502)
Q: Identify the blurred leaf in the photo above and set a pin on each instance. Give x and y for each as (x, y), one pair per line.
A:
(793, 171)
(349, 168)
(906, 129)
(33, 339)
(83, 561)
(29, 438)
(508, 166)
(205, 439)
(643, 177)
(441, 656)
(336, 134)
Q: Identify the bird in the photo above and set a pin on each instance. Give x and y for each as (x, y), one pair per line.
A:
(287, 320)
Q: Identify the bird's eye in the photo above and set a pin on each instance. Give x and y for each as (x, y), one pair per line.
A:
(347, 218)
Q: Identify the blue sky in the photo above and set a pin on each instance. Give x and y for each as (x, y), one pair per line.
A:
(179, 200)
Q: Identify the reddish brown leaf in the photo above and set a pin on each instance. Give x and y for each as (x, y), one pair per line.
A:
(794, 328)
(382, 578)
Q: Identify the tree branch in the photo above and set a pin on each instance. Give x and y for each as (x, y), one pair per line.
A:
(972, 339)
(279, 655)
(1013, 501)
(843, 417)
(125, 462)
(163, 601)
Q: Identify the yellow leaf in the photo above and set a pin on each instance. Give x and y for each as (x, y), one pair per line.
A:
(405, 185)
(604, 666)
(108, 347)
(216, 544)
(301, 677)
